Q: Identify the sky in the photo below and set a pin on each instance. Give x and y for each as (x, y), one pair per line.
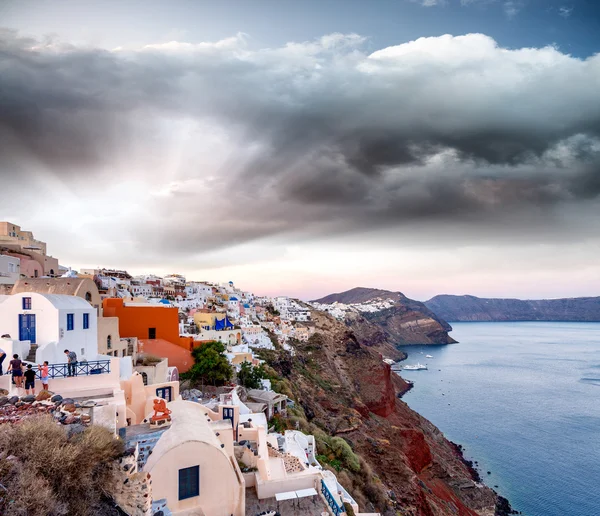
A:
(303, 148)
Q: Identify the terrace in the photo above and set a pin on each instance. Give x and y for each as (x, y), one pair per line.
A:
(81, 369)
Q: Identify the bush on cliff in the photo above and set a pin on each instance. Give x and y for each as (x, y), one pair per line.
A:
(210, 364)
(45, 472)
(345, 454)
(250, 376)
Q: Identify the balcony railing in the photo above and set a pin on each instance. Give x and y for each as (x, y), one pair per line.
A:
(335, 507)
(80, 369)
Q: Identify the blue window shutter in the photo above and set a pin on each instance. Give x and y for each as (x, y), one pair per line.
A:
(26, 303)
(70, 322)
(189, 482)
(86, 321)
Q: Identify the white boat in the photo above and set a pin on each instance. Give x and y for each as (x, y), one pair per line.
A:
(416, 367)
(428, 356)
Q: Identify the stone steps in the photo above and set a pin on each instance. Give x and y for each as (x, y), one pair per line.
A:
(31, 356)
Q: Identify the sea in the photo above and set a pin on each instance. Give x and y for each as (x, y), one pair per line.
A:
(523, 399)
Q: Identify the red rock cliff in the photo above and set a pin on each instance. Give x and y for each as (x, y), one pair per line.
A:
(346, 388)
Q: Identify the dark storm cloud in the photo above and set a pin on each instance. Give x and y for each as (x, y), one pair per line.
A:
(437, 129)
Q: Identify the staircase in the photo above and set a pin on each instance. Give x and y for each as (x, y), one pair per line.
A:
(31, 356)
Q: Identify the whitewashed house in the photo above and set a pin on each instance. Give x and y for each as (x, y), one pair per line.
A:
(10, 269)
(142, 289)
(233, 306)
(53, 323)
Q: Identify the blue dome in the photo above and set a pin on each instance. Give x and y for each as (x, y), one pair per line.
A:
(233, 298)
(246, 305)
(165, 302)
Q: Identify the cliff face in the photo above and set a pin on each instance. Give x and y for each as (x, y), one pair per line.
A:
(346, 389)
(405, 322)
(471, 308)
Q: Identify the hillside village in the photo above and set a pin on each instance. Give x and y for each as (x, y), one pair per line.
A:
(212, 450)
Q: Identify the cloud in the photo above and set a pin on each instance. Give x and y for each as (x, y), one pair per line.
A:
(429, 3)
(512, 8)
(208, 146)
(565, 11)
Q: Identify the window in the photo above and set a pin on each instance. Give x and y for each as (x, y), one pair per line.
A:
(88, 297)
(189, 482)
(144, 378)
(70, 322)
(35, 273)
(109, 342)
(12, 267)
(86, 321)
(164, 393)
(26, 303)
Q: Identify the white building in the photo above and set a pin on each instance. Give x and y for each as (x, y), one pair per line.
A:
(233, 306)
(299, 314)
(174, 279)
(52, 322)
(10, 269)
(143, 290)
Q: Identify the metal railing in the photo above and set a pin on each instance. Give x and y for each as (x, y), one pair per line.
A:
(335, 507)
(79, 369)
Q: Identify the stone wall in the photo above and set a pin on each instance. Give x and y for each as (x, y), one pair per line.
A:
(133, 492)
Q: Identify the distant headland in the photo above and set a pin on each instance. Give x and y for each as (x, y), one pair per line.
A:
(472, 309)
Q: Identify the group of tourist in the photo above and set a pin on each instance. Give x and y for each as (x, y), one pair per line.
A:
(19, 371)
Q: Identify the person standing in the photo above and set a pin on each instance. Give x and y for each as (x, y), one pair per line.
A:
(71, 362)
(16, 368)
(43, 369)
(2, 357)
(29, 380)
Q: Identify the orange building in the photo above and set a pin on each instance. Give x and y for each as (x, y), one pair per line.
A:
(149, 322)
(178, 357)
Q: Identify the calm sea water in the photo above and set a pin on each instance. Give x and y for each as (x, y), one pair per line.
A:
(524, 401)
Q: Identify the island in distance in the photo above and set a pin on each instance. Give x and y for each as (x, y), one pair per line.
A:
(472, 309)
(381, 316)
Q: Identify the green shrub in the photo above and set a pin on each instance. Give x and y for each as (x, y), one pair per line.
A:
(210, 364)
(279, 424)
(345, 454)
(250, 376)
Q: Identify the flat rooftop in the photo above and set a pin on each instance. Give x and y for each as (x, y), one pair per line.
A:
(312, 506)
(142, 429)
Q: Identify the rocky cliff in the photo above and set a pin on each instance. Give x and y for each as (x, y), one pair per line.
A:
(471, 308)
(397, 318)
(403, 463)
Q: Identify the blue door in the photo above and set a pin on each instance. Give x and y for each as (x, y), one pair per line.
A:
(27, 327)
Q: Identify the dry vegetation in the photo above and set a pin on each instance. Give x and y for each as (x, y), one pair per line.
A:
(145, 359)
(44, 472)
